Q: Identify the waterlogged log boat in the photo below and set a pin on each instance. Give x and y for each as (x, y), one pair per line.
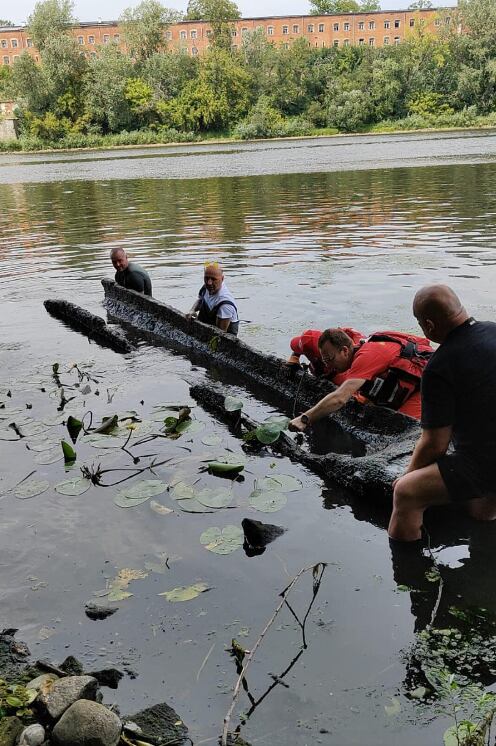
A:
(93, 326)
(366, 447)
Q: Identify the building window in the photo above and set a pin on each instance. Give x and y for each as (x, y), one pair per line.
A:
(371, 42)
(270, 30)
(182, 34)
(93, 54)
(117, 37)
(447, 20)
(168, 35)
(437, 22)
(335, 27)
(285, 29)
(310, 28)
(346, 43)
(397, 39)
(323, 43)
(387, 24)
(4, 43)
(335, 43)
(234, 32)
(106, 38)
(286, 45)
(386, 41)
(244, 31)
(80, 40)
(6, 60)
(14, 43)
(412, 22)
(234, 46)
(29, 42)
(194, 51)
(361, 42)
(396, 23)
(321, 28)
(91, 39)
(193, 34)
(346, 27)
(296, 29)
(361, 26)
(371, 25)
(208, 33)
(16, 57)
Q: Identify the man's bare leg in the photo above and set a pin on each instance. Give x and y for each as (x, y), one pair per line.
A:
(413, 493)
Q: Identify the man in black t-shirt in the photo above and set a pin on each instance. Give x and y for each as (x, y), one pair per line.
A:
(129, 274)
(458, 407)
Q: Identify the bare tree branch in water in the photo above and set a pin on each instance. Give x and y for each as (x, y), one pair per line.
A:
(317, 572)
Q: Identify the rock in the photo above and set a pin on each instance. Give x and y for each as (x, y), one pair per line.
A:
(132, 729)
(72, 666)
(64, 692)
(107, 677)
(13, 655)
(98, 611)
(87, 723)
(258, 534)
(33, 735)
(10, 727)
(161, 724)
(42, 683)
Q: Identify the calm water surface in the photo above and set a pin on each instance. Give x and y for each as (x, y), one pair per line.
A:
(325, 246)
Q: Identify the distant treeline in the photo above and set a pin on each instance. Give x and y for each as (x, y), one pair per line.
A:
(150, 94)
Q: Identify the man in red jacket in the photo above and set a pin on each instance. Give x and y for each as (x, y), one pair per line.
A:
(307, 344)
(384, 370)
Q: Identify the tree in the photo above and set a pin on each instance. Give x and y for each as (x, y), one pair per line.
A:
(220, 14)
(420, 5)
(6, 24)
(28, 85)
(50, 18)
(144, 27)
(167, 74)
(105, 87)
(325, 7)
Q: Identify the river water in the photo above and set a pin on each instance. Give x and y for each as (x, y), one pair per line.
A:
(337, 231)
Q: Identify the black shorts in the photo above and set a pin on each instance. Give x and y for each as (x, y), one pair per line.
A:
(467, 476)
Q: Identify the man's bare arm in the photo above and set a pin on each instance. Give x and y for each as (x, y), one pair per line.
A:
(194, 308)
(330, 403)
(432, 444)
(223, 324)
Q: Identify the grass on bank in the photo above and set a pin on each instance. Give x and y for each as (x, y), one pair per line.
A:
(295, 127)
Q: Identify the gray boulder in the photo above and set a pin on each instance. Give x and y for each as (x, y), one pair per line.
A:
(33, 735)
(43, 682)
(161, 725)
(87, 723)
(64, 692)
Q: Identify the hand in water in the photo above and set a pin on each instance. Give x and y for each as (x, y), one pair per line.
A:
(297, 425)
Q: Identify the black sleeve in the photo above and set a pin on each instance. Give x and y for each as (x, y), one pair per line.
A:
(148, 286)
(136, 282)
(438, 400)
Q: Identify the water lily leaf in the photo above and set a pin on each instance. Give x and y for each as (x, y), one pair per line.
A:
(14, 701)
(185, 593)
(73, 487)
(281, 483)
(104, 441)
(8, 434)
(182, 491)
(68, 451)
(224, 467)
(267, 501)
(159, 508)
(108, 423)
(457, 735)
(268, 433)
(190, 426)
(171, 423)
(212, 440)
(42, 445)
(117, 594)
(191, 505)
(232, 404)
(32, 428)
(278, 419)
(49, 457)
(139, 493)
(394, 708)
(57, 419)
(222, 541)
(218, 498)
(31, 488)
(160, 568)
(74, 427)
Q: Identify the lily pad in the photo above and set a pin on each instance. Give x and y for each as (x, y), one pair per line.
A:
(185, 593)
(218, 498)
(31, 488)
(190, 427)
(73, 487)
(222, 541)
(42, 445)
(212, 440)
(32, 428)
(182, 491)
(281, 483)
(267, 501)
(191, 505)
(49, 457)
(232, 404)
(8, 434)
(159, 508)
(139, 493)
(117, 594)
(278, 419)
(268, 433)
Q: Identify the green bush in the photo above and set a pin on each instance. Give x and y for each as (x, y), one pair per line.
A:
(349, 111)
(263, 120)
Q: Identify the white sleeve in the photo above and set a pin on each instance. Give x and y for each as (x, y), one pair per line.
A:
(227, 312)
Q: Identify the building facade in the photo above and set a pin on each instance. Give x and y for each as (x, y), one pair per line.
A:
(375, 29)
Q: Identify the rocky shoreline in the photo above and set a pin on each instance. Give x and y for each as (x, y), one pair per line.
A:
(42, 704)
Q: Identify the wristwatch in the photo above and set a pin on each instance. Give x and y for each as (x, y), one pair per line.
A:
(305, 419)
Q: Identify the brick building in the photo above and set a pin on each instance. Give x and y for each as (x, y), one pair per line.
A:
(378, 28)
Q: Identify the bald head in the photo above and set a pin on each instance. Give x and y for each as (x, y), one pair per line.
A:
(119, 259)
(438, 310)
(213, 277)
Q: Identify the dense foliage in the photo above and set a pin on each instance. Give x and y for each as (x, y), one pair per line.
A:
(153, 94)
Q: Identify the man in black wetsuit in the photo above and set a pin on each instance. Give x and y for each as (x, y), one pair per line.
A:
(130, 275)
(458, 407)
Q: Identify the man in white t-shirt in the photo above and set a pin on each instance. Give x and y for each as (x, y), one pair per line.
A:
(215, 304)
